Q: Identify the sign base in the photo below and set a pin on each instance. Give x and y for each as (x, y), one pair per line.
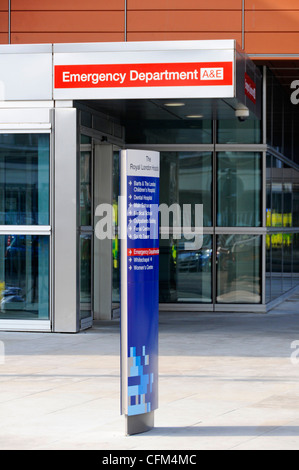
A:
(138, 424)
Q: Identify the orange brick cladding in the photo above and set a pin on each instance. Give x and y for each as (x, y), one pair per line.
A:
(270, 26)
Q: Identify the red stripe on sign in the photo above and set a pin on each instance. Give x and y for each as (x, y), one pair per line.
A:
(143, 75)
(142, 251)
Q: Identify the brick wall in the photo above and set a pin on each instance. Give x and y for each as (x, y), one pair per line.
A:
(3, 21)
(50, 21)
(272, 26)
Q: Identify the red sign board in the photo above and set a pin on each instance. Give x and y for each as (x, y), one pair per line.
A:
(250, 88)
(142, 251)
(143, 75)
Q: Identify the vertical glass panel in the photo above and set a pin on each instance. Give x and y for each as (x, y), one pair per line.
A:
(86, 119)
(295, 196)
(287, 196)
(288, 129)
(269, 107)
(268, 191)
(268, 268)
(295, 258)
(277, 214)
(85, 275)
(185, 275)
(233, 131)
(85, 188)
(194, 272)
(277, 193)
(296, 136)
(239, 189)
(277, 117)
(238, 269)
(195, 183)
(186, 178)
(24, 277)
(24, 179)
(167, 270)
(287, 262)
(276, 242)
(115, 241)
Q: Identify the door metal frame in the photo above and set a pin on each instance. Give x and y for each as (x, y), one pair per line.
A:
(46, 230)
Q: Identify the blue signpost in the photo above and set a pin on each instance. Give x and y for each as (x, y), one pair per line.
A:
(139, 233)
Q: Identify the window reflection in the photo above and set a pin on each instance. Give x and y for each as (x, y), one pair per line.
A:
(239, 189)
(24, 277)
(233, 131)
(287, 262)
(277, 193)
(282, 265)
(185, 275)
(296, 259)
(194, 272)
(282, 183)
(238, 269)
(276, 280)
(186, 178)
(167, 270)
(85, 186)
(287, 196)
(268, 267)
(295, 198)
(282, 213)
(269, 191)
(85, 275)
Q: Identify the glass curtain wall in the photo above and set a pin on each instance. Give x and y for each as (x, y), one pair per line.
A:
(282, 191)
(282, 227)
(187, 276)
(24, 201)
(250, 218)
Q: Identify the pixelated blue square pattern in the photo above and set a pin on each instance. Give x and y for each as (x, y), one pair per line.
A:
(140, 383)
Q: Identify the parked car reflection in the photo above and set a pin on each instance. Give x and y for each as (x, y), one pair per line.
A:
(12, 299)
(21, 253)
(194, 261)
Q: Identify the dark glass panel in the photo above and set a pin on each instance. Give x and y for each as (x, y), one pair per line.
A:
(24, 179)
(24, 277)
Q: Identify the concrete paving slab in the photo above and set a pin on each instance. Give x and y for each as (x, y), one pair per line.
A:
(227, 381)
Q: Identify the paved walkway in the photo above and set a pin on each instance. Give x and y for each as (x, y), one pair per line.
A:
(227, 381)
